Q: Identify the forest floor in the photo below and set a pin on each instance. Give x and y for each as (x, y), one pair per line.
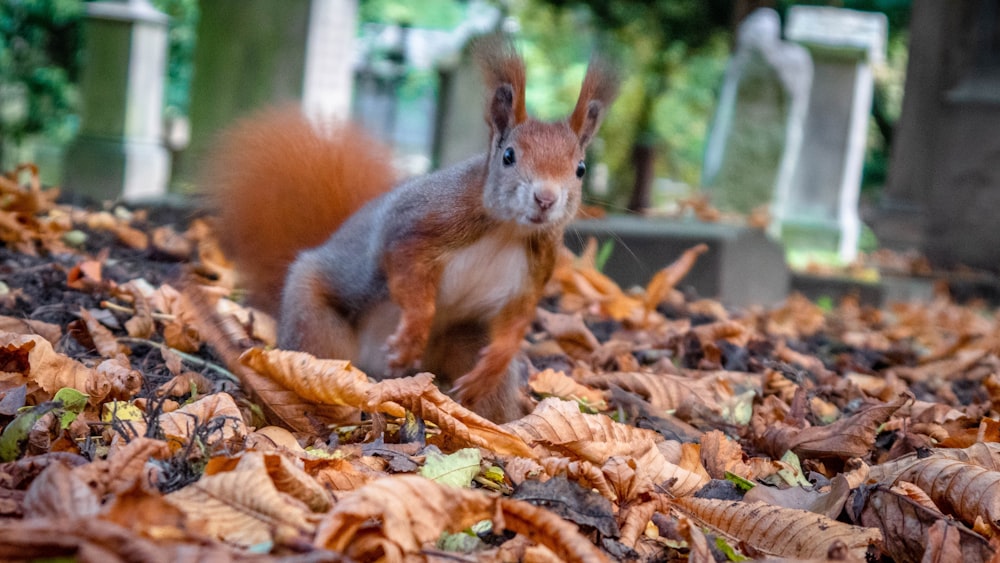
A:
(147, 416)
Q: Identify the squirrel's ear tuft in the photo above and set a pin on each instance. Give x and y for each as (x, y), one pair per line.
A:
(600, 87)
(500, 115)
(503, 69)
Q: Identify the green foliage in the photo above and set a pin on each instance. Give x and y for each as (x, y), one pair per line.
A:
(39, 65)
(426, 13)
(181, 34)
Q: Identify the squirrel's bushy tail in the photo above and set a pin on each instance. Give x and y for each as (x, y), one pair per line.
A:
(277, 185)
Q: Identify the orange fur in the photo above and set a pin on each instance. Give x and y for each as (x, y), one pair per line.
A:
(279, 185)
(600, 84)
(500, 64)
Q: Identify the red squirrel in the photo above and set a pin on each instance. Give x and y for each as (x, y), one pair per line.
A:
(441, 273)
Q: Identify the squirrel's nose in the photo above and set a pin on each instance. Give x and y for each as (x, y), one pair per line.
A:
(544, 199)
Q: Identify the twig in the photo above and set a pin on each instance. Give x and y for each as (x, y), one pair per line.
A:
(123, 309)
(194, 360)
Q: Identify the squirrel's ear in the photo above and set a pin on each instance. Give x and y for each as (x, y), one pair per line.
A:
(503, 74)
(599, 89)
(501, 111)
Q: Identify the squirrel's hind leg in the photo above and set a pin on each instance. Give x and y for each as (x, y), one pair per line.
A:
(310, 321)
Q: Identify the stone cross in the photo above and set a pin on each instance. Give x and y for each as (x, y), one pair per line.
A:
(820, 211)
(756, 137)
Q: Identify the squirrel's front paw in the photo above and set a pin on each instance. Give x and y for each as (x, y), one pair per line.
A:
(402, 355)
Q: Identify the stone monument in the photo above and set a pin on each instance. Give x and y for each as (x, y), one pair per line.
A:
(756, 137)
(119, 152)
(820, 211)
(255, 53)
(943, 189)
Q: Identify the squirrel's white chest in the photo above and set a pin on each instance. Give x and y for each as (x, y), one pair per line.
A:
(481, 278)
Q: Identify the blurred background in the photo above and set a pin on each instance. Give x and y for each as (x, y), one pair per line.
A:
(813, 120)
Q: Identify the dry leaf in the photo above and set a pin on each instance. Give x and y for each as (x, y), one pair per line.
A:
(958, 488)
(50, 370)
(60, 493)
(560, 427)
(665, 280)
(907, 527)
(104, 342)
(557, 384)
(780, 532)
(244, 506)
(48, 331)
(407, 527)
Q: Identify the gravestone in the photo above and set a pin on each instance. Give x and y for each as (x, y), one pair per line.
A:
(820, 211)
(742, 266)
(119, 152)
(252, 54)
(943, 189)
(756, 137)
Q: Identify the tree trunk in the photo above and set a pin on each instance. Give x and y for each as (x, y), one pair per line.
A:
(644, 164)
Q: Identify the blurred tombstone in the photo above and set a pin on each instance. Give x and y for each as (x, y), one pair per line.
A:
(461, 130)
(252, 54)
(756, 137)
(820, 211)
(943, 188)
(119, 152)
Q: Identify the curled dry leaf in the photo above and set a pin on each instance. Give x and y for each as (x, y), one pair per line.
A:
(561, 428)
(141, 324)
(50, 370)
(985, 455)
(60, 493)
(907, 527)
(665, 280)
(178, 426)
(104, 342)
(779, 532)
(125, 466)
(582, 472)
(557, 384)
(849, 437)
(336, 382)
(406, 527)
(419, 395)
(958, 488)
(569, 331)
(123, 381)
(244, 506)
(15, 325)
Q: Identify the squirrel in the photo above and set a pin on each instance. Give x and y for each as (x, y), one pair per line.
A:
(441, 273)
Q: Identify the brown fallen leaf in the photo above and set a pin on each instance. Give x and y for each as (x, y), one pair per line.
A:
(665, 280)
(432, 508)
(557, 384)
(104, 341)
(562, 429)
(48, 331)
(244, 506)
(958, 488)
(60, 493)
(52, 371)
(849, 437)
(569, 331)
(779, 532)
(907, 528)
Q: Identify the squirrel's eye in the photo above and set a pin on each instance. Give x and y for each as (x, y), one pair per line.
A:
(581, 169)
(508, 156)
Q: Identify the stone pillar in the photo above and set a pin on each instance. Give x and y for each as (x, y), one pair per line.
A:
(256, 53)
(119, 152)
(944, 177)
(756, 137)
(821, 211)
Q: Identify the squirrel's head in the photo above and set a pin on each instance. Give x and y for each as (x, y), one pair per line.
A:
(536, 169)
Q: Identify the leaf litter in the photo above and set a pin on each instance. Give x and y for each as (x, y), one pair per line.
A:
(147, 416)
